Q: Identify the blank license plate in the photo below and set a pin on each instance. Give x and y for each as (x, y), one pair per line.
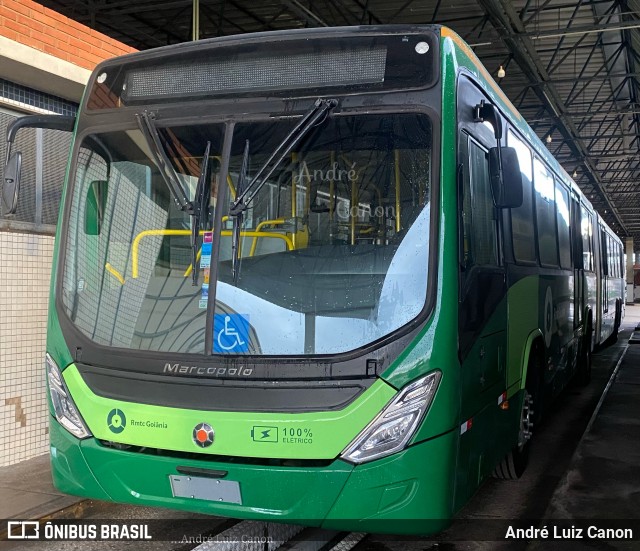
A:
(211, 489)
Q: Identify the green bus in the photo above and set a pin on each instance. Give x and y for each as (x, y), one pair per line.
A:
(324, 276)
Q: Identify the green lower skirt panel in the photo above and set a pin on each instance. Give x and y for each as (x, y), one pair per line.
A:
(410, 492)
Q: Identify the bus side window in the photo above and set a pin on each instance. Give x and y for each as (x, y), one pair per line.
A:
(564, 237)
(545, 214)
(480, 225)
(586, 231)
(604, 254)
(524, 247)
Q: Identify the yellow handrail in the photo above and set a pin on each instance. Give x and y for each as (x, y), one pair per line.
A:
(246, 233)
(115, 273)
(276, 222)
(146, 233)
(232, 188)
(226, 233)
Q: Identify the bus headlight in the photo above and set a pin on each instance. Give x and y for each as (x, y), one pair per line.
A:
(66, 411)
(390, 431)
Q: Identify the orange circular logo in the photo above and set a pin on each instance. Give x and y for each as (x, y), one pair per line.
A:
(203, 435)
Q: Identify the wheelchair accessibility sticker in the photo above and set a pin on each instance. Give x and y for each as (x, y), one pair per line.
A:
(231, 333)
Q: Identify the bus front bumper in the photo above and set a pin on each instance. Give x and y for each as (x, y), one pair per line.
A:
(407, 493)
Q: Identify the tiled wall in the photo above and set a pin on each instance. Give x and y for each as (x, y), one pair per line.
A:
(24, 97)
(26, 249)
(25, 267)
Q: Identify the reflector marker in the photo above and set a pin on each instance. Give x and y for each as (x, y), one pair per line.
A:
(466, 426)
(502, 397)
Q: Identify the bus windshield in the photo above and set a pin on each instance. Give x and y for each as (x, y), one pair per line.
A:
(333, 249)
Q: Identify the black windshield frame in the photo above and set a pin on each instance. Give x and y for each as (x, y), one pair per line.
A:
(322, 365)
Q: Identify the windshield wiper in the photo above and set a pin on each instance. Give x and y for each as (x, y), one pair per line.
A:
(150, 133)
(194, 208)
(244, 196)
(199, 208)
(319, 110)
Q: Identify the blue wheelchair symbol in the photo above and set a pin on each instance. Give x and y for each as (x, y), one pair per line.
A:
(230, 333)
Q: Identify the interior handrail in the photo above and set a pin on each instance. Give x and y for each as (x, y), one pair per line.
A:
(226, 233)
(275, 222)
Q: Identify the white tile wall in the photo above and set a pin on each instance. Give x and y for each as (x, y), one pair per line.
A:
(25, 268)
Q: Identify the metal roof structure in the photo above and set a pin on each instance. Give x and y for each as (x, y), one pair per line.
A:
(572, 68)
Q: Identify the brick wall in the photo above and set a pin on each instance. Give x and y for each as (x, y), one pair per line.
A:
(34, 25)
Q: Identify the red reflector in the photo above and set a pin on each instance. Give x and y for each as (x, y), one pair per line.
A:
(202, 435)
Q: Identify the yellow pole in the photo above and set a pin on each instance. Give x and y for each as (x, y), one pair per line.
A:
(307, 199)
(294, 161)
(332, 159)
(195, 31)
(396, 155)
(354, 203)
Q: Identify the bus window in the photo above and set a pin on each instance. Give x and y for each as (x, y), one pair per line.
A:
(545, 214)
(562, 216)
(480, 216)
(610, 251)
(524, 249)
(605, 264)
(586, 232)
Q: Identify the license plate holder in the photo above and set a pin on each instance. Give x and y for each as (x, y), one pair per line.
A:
(209, 489)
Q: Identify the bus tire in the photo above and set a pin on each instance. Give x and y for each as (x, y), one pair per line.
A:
(514, 464)
(583, 373)
(616, 323)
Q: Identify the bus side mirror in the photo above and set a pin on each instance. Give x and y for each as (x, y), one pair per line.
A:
(11, 186)
(506, 178)
(13, 166)
(487, 112)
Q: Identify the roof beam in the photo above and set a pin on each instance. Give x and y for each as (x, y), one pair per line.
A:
(587, 29)
(507, 22)
(305, 13)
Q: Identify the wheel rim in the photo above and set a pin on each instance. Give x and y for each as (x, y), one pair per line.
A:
(526, 420)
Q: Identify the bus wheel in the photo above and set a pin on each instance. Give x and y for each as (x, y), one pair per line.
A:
(515, 462)
(583, 374)
(616, 324)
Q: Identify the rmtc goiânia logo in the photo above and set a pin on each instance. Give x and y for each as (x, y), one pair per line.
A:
(116, 421)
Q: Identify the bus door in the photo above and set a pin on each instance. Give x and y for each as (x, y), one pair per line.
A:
(605, 283)
(482, 300)
(578, 263)
(482, 291)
